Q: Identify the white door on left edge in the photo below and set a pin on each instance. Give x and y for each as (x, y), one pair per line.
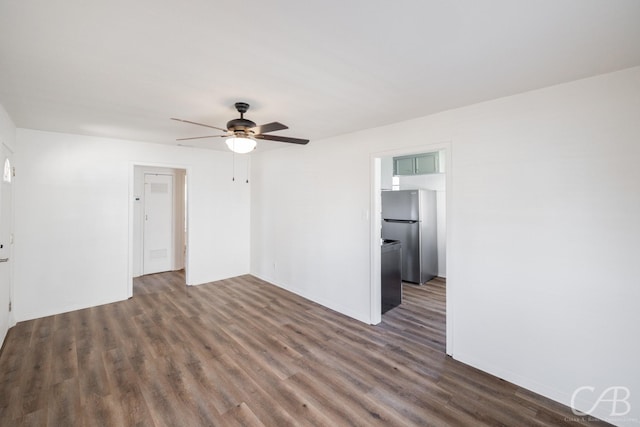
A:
(158, 223)
(6, 239)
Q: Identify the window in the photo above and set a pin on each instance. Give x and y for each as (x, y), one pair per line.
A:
(416, 164)
(6, 177)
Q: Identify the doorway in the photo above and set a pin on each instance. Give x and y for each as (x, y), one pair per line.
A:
(159, 218)
(383, 179)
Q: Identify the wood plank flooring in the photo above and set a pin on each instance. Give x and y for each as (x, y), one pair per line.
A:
(242, 352)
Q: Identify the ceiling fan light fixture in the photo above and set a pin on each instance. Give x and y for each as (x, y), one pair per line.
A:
(241, 145)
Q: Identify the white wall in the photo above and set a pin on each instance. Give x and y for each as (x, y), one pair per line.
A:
(74, 213)
(8, 139)
(544, 231)
(309, 228)
(7, 129)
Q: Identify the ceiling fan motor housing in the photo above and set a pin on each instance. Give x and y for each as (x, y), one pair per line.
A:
(241, 126)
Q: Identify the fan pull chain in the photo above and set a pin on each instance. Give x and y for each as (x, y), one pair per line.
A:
(233, 166)
(248, 169)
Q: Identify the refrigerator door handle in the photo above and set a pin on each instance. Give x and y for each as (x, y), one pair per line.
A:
(402, 221)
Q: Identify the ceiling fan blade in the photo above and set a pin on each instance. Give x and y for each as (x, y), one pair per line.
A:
(283, 139)
(200, 137)
(199, 124)
(269, 127)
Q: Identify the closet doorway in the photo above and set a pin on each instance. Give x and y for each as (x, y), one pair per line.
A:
(160, 220)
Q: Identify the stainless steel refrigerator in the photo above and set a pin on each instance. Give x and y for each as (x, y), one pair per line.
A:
(410, 217)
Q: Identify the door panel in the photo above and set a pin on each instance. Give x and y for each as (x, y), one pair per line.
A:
(6, 243)
(409, 235)
(158, 223)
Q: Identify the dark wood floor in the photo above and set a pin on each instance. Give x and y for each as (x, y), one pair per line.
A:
(244, 352)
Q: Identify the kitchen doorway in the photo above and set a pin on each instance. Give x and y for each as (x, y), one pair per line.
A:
(386, 176)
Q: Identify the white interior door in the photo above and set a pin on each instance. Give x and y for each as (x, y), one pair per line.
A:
(5, 240)
(158, 223)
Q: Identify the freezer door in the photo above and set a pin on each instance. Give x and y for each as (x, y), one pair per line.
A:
(404, 204)
(408, 233)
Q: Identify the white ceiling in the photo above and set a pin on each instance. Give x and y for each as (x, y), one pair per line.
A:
(122, 68)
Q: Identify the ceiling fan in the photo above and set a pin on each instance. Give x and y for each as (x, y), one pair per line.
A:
(242, 133)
